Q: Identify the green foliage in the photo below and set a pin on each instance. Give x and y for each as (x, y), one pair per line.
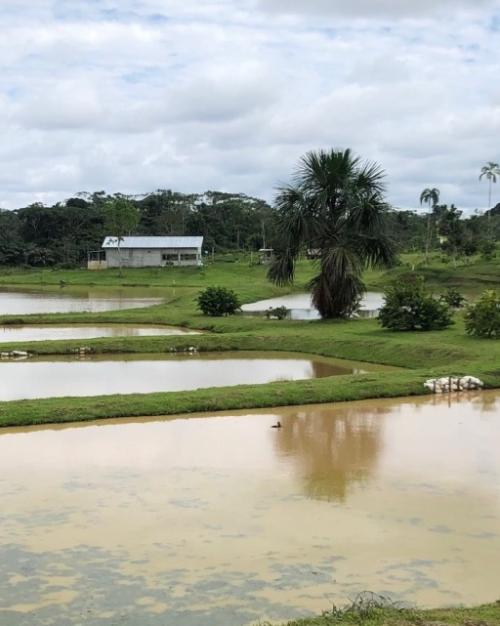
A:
(279, 313)
(408, 306)
(430, 196)
(488, 250)
(122, 216)
(483, 318)
(218, 301)
(453, 298)
(336, 206)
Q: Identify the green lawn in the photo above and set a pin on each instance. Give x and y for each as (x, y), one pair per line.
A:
(420, 354)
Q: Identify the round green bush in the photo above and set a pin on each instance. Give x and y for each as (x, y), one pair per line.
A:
(218, 301)
(483, 318)
(408, 306)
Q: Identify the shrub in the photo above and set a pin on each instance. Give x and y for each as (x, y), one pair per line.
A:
(279, 312)
(483, 318)
(453, 298)
(488, 250)
(218, 301)
(408, 306)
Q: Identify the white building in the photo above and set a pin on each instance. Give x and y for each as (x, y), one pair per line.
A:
(150, 252)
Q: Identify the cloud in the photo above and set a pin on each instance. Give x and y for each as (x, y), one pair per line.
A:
(368, 8)
(137, 95)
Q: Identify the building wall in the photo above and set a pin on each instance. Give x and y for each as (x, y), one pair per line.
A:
(145, 257)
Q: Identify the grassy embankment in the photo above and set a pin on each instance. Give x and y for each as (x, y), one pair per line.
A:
(421, 354)
(487, 615)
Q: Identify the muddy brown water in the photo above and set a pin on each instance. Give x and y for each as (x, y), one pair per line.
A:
(32, 332)
(27, 300)
(147, 373)
(222, 520)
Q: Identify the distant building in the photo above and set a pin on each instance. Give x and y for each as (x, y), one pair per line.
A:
(148, 252)
(313, 253)
(266, 255)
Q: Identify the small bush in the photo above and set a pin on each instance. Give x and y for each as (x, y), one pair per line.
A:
(218, 301)
(483, 318)
(408, 306)
(453, 298)
(280, 313)
(488, 250)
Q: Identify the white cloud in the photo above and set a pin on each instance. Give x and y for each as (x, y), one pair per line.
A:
(370, 8)
(136, 95)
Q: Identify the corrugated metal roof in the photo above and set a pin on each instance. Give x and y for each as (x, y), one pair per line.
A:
(154, 242)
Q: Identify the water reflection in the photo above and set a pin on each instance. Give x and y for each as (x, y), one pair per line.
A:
(301, 308)
(17, 301)
(222, 520)
(16, 333)
(332, 452)
(139, 373)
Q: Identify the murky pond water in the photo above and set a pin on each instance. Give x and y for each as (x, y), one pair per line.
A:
(301, 307)
(222, 521)
(88, 331)
(139, 373)
(23, 301)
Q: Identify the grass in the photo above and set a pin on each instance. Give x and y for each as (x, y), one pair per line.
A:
(379, 612)
(422, 355)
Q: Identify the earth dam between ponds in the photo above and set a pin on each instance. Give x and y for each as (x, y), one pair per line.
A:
(221, 520)
(148, 373)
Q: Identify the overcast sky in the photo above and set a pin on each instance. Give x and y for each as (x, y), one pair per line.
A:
(135, 95)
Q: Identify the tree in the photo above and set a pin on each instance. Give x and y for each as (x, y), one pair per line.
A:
(431, 197)
(218, 301)
(335, 205)
(452, 231)
(408, 306)
(122, 217)
(490, 171)
(483, 318)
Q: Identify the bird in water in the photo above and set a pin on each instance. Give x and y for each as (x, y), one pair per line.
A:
(277, 425)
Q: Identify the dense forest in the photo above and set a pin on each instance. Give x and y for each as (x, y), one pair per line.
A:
(64, 234)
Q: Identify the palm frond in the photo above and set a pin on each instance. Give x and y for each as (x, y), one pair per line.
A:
(282, 268)
(293, 224)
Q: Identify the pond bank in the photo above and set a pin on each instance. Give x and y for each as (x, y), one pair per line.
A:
(332, 389)
(95, 375)
(486, 615)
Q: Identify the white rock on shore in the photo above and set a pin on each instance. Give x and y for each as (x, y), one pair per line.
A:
(447, 384)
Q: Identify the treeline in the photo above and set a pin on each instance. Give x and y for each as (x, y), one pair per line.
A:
(64, 234)
(446, 229)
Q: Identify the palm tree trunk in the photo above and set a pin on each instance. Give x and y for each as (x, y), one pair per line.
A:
(119, 260)
(428, 235)
(489, 201)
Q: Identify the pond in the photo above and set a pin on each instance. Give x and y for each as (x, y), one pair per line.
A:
(47, 332)
(23, 301)
(140, 373)
(301, 307)
(222, 520)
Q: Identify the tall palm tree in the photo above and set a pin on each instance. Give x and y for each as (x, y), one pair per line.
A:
(336, 207)
(490, 171)
(431, 197)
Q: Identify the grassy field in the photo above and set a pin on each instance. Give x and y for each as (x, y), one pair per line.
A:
(487, 615)
(422, 355)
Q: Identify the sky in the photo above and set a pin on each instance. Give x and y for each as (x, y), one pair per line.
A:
(191, 95)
